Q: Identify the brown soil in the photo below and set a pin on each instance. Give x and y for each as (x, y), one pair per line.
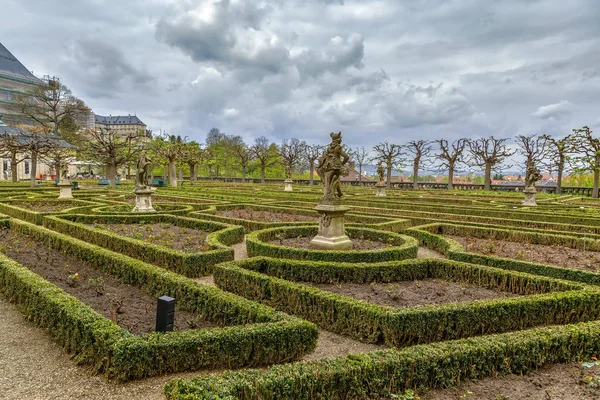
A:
(131, 308)
(331, 344)
(553, 255)
(163, 234)
(43, 206)
(424, 252)
(414, 293)
(265, 216)
(554, 382)
(303, 242)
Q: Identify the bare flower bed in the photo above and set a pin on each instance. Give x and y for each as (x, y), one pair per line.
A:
(163, 234)
(43, 206)
(129, 307)
(414, 293)
(553, 255)
(303, 242)
(264, 216)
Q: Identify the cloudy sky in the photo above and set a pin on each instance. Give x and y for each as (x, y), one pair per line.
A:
(374, 69)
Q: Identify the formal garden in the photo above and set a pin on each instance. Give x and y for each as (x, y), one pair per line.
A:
(436, 291)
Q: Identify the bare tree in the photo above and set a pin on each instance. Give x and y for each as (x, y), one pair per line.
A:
(169, 148)
(192, 154)
(266, 154)
(391, 155)
(311, 155)
(558, 157)
(361, 156)
(242, 152)
(420, 150)
(534, 149)
(587, 159)
(489, 154)
(292, 153)
(451, 155)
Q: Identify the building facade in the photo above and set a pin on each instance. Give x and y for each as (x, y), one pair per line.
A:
(125, 126)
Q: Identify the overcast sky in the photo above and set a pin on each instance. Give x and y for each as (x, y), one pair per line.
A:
(376, 70)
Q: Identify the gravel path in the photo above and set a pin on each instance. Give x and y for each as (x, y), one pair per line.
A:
(424, 252)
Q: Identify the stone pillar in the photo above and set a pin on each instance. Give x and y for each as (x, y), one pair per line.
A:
(65, 189)
(530, 192)
(380, 189)
(143, 200)
(288, 185)
(331, 234)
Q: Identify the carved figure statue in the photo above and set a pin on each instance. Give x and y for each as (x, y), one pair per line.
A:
(330, 166)
(380, 172)
(143, 165)
(532, 175)
(64, 172)
(288, 172)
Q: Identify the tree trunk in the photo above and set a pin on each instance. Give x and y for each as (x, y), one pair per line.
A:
(596, 179)
(488, 177)
(13, 166)
(262, 174)
(33, 168)
(181, 175)
(451, 178)
(193, 172)
(415, 175)
(561, 167)
(312, 172)
(111, 173)
(389, 173)
(172, 173)
(244, 168)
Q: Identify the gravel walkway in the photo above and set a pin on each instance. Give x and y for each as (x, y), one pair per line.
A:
(424, 252)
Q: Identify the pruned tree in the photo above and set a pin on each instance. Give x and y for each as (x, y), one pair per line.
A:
(266, 154)
(106, 146)
(451, 155)
(360, 156)
(169, 148)
(192, 154)
(558, 158)
(587, 158)
(391, 155)
(292, 153)
(53, 106)
(311, 154)
(534, 148)
(420, 150)
(489, 154)
(242, 153)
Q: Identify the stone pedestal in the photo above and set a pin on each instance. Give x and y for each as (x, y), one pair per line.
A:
(288, 185)
(380, 189)
(143, 200)
(65, 190)
(530, 193)
(331, 234)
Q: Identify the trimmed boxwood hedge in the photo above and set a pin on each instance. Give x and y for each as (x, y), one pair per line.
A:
(401, 246)
(381, 373)
(189, 264)
(362, 220)
(265, 337)
(35, 217)
(399, 327)
(161, 208)
(456, 251)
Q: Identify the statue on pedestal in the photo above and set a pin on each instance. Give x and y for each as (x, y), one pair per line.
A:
(532, 175)
(64, 172)
(143, 165)
(380, 172)
(330, 166)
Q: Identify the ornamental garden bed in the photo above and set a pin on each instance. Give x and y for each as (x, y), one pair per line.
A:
(541, 300)
(174, 247)
(163, 208)
(251, 334)
(125, 305)
(379, 245)
(34, 210)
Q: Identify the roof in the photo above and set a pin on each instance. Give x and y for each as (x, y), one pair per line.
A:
(9, 65)
(22, 136)
(118, 119)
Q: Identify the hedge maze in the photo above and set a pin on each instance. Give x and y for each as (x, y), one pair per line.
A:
(451, 285)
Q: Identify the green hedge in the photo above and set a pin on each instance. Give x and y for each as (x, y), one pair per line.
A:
(189, 264)
(30, 215)
(161, 208)
(401, 246)
(567, 303)
(456, 251)
(262, 336)
(381, 373)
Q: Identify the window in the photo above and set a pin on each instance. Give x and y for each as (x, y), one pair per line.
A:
(26, 164)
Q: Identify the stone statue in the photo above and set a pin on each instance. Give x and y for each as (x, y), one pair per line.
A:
(380, 172)
(331, 165)
(64, 172)
(532, 175)
(142, 171)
